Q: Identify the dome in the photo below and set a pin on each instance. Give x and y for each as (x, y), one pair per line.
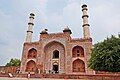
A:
(67, 30)
(44, 31)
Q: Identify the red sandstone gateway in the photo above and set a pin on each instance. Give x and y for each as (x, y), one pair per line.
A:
(57, 53)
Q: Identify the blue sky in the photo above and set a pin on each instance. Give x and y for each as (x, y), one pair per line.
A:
(54, 15)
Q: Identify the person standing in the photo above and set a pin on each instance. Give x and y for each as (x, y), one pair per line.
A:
(28, 75)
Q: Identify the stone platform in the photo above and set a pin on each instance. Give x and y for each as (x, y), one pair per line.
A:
(5, 78)
(61, 77)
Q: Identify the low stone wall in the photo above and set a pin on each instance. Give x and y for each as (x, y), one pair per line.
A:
(11, 69)
(88, 77)
(69, 76)
(104, 72)
(4, 75)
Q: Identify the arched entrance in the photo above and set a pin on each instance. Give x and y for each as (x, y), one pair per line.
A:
(78, 66)
(78, 51)
(56, 67)
(31, 66)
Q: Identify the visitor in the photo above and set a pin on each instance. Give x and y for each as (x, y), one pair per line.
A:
(39, 71)
(49, 71)
(10, 75)
(28, 75)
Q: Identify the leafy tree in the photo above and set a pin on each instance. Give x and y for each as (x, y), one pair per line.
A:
(14, 62)
(106, 55)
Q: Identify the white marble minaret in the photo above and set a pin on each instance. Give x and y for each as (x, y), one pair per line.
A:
(30, 27)
(86, 31)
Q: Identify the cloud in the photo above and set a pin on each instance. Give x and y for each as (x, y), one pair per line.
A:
(72, 17)
(105, 20)
(14, 25)
(8, 41)
(55, 22)
(69, 16)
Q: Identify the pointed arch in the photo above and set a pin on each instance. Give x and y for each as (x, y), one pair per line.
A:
(31, 66)
(78, 51)
(54, 50)
(32, 53)
(54, 47)
(78, 66)
(55, 54)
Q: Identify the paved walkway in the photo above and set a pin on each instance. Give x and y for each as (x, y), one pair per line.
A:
(4, 78)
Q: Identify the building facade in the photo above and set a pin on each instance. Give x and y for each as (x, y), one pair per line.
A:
(57, 52)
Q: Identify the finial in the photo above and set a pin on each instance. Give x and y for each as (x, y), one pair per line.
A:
(67, 28)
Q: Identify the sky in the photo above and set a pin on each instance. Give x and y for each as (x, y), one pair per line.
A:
(55, 15)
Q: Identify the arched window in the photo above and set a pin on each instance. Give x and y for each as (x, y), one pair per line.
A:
(32, 53)
(56, 54)
(31, 66)
(78, 51)
(78, 66)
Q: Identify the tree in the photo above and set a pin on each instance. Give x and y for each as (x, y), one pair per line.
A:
(106, 55)
(14, 62)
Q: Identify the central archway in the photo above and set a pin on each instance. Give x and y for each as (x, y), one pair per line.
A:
(54, 51)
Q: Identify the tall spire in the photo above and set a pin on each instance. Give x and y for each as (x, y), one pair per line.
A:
(86, 25)
(30, 27)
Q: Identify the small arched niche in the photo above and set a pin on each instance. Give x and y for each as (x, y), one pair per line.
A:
(32, 53)
(77, 51)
